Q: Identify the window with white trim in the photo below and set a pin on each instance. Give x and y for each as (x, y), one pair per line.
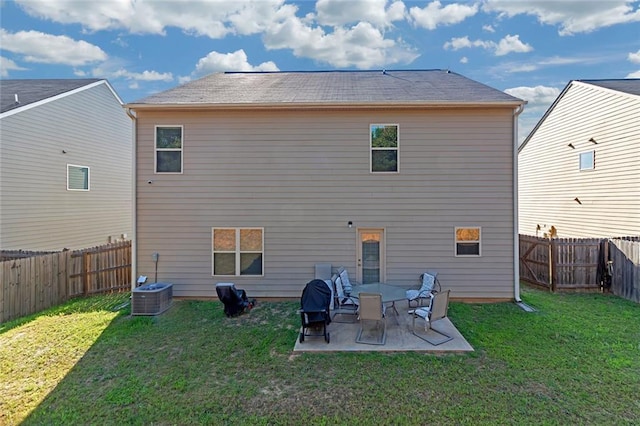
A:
(588, 160)
(77, 178)
(168, 149)
(467, 241)
(384, 148)
(237, 251)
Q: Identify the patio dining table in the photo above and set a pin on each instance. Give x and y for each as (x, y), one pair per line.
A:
(390, 293)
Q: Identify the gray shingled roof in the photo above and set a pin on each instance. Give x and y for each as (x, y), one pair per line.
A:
(30, 91)
(629, 85)
(329, 87)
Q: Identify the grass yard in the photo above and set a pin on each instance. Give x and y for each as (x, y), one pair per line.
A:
(575, 361)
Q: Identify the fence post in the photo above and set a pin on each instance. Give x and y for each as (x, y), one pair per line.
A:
(85, 273)
(552, 252)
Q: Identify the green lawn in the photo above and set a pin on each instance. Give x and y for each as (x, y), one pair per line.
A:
(575, 361)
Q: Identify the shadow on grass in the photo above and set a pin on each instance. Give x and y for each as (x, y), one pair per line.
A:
(576, 360)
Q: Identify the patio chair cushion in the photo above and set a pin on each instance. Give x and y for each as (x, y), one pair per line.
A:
(428, 281)
(346, 283)
(342, 299)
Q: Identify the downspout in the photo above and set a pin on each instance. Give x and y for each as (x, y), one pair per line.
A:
(516, 237)
(134, 203)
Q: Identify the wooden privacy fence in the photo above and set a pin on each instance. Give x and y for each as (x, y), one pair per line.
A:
(561, 263)
(29, 285)
(582, 264)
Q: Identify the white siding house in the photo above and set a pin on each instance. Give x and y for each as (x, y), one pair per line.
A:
(579, 169)
(255, 177)
(65, 164)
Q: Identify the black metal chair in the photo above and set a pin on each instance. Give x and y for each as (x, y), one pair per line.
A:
(235, 300)
(314, 310)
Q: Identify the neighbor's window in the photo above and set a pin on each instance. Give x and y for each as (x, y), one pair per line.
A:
(587, 160)
(384, 147)
(467, 241)
(238, 251)
(168, 149)
(77, 178)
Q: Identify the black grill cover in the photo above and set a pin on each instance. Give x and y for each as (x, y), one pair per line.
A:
(316, 300)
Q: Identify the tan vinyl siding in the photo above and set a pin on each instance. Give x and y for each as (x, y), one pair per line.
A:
(302, 175)
(37, 211)
(550, 179)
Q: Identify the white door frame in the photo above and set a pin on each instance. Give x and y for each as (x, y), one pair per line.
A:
(380, 233)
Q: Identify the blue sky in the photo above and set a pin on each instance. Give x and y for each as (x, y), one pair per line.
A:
(530, 49)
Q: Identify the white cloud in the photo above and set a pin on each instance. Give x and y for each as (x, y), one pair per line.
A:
(7, 65)
(458, 43)
(537, 95)
(633, 75)
(236, 61)
(376, 12)
(199, 17)
(114, 70)
(511, 44)
(434, 15)
(361, 45)
(488, 28)
(464, 60)
(35, 46)
(571, 16)
(634, 57)
(541, 63)
(508, 44)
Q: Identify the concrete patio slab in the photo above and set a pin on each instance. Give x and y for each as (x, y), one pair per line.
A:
(399, 337)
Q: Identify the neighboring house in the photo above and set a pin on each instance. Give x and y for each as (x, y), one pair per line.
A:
(253, 178)
(579, 169)
(65, 164)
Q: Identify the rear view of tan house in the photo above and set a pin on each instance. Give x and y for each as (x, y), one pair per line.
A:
(65, 164)
(579, 169)
(253, 178)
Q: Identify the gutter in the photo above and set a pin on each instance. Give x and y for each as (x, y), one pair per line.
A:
(323, 105)
(516, 237)
(134, 204)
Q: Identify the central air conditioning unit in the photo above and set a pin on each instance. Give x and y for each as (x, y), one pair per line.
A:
(151, 299)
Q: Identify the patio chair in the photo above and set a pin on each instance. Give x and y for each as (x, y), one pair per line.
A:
(436, 311)
(344, 304)
(314, 310)
(323, 272)
(371, 309)
(429, 286)
(235, 300)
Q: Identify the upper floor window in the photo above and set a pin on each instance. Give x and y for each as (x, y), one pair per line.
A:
(168, 149)
(467, 241)
(384, 148)
(238, 251)
(77, 178)
(587, 160)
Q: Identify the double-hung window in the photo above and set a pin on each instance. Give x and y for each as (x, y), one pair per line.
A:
(168, 149)
(238, 251)
(77, 178)
(467, 241)
(384, 148)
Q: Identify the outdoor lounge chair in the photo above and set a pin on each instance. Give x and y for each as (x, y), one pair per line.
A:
(436, 311)
(314, 310)
(371, 309)
(429, 286)
(343, 303)
(234, 299)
